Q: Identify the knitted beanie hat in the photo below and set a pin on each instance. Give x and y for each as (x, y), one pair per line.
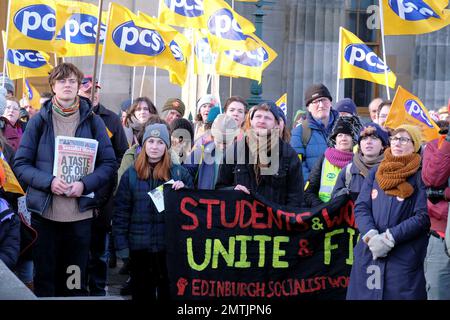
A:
(174, 104)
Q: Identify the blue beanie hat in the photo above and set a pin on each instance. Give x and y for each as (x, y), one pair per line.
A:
(212, 115)
(346, 105)
(281, 115)
(374, 129)
(272, 108)
(157, 130)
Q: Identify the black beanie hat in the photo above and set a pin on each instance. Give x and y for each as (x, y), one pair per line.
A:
(347, 125)
(182, 123)
(316, 91)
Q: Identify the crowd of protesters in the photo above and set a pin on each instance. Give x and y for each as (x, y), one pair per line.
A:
(398, 182)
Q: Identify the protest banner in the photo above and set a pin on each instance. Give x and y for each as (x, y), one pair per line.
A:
(74, 158)
(229, 245)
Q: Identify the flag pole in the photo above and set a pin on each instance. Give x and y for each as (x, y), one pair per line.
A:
(142, 82)
(339, 63)
(133, 78)
(231, 78)
(97, 44)
(154, 85)
(5, 49)
(104, 45)
(384, 50)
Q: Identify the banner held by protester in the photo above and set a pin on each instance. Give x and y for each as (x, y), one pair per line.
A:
(225, 244)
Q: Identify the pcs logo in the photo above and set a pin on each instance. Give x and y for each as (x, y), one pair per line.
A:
(360, 55)
(26, 58)
(136, 40)
(36, 21)
(187, 8)
(254, 58)
(203, 51)
(82, 29)
(416, 111)
(176, 51)
(222, 24)
(412, 10)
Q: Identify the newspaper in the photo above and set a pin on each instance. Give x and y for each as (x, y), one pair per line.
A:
(74, 158)
(157, 196)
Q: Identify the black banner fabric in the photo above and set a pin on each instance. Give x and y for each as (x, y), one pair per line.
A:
(229, 245)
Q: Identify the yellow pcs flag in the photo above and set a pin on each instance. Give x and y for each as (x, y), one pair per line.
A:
(408, 109)
(79, 32)
(32, 25)
(185, 13)
(11, 184)
(282, 103)
(31, 94)
(414, 16)
(359, 61)
(248, 64)
(227, 29)
(26, 63)
(178, 45)
(204, 58)
(134, 41)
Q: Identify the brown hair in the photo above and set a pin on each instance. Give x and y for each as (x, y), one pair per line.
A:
(232, 99)
(384, 103)
(63, 71)
(132, 109)
(146, 171)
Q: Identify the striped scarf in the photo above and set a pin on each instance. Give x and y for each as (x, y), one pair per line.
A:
(65, 112)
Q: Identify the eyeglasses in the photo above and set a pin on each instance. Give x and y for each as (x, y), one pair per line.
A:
(403, 141)
(316, 102)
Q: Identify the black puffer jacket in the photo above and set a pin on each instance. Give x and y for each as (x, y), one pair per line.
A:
(283, 188)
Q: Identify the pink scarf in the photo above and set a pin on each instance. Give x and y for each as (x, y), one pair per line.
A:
(338, 158)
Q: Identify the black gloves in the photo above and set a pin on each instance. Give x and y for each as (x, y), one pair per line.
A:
(435, 195)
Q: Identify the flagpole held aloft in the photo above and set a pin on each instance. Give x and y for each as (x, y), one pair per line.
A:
(384, 50)
(97, 44)
(142, 82)
(339, 64)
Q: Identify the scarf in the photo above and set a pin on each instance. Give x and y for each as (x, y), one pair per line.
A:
(393, 172)
(65, 112)
(364, 165)
(338, 158)
(260, 146)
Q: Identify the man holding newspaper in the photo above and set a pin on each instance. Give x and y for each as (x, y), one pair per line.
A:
(65, 157)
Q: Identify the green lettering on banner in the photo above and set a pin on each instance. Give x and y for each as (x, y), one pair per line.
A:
(328, 246)
(243, 263)
(220, 249)
(349, 260)
(262, 248)
(277, 252)
(190, 254)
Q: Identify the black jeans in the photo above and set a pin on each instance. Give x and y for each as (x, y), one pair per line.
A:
(60, 257)
(149, 279)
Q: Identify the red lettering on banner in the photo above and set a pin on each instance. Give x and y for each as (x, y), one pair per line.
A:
(301, 225)
(272, 219)
(346, 213)
(256, 215)
(209, 203)
(223, 214)
(193, 216)
(249, 205)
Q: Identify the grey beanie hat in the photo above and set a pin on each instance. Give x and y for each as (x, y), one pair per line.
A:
(2, 100)
(9, 84)
(157, 130)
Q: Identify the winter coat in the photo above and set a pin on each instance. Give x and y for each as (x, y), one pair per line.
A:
(12, 133)
(355, 183)
(435, 173)
(33, 163)
(202, 167)
(9, 236)
(400, 275)
(137, 224)
(284, 188)
(317, 143)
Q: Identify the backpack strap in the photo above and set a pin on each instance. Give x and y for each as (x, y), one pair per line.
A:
(306, 132)
(348, 175)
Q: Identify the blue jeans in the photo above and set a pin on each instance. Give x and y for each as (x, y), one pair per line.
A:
(24, 271)
(437, 270)
(60, 256)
